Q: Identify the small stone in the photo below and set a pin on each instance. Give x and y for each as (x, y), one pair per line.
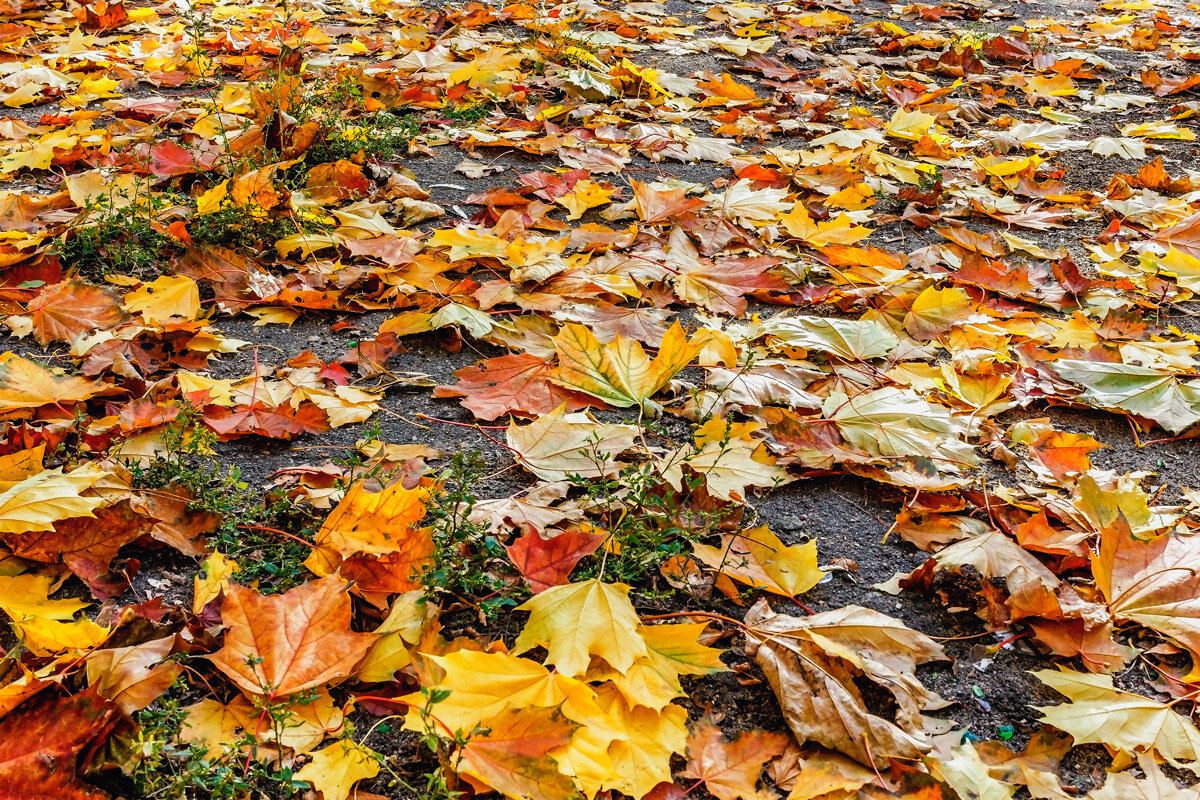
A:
(791, 522)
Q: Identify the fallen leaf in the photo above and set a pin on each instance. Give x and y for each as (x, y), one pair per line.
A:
(559, 444)
(335, 769)
(1098, 713)
(580, 620)
(40, 744)
(813, 665)
(730, 769)
(283, 644)
(512, 757)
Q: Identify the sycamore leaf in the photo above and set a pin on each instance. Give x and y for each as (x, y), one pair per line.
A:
(214, 577)
(132, 677)
(827, 773)
(1101, 714)
(585, 194)
(935, 311)
(29, 595)
(335, 769)
(642, 759)
(221, 727)
(731, 769)
(16, 467)
(484, 685)
(283, 644)
(840, 230)
(512, 756)
(1153, 786)
(965, 772)
(581, 620)
(378, 522)
(65, 310)
(559, 444)
(1061, 452)
(653, 681)
(44, 636)
(1159, 396)
(719, 286)
(758, 558)
(893, 422)
(993, 555)
(1094, 646)
(728, 467)
(813, 665)
(619, 373)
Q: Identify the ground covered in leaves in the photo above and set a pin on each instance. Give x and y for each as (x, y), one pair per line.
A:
(735, 400)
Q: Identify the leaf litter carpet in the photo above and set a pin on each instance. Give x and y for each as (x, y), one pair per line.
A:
(599, 399)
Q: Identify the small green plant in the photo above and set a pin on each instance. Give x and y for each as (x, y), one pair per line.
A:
(238, 230)
(648, 521)
(468, 561)
(446, 746)
(382, 136)
(267, 535)
(166, 767)
(120, 237)
(469, 112)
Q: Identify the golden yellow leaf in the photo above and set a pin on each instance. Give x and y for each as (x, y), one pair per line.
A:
(585, 194)
(165, 298)
(758, 558)
(45, 637)
(642, 760)
(839, 230)
(335, 769)
(16, 467)
(482, 685)
(41, 500)
(580, 620)
(619, 373)
(378, 522)
(214, 577)
(1099, 713)
(25, 386)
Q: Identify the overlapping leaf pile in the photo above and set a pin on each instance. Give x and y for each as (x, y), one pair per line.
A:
(711, 251)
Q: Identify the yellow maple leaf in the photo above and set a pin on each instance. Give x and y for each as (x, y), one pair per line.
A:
(214, 577)
(642, 760)
(377, 522)
(579, 620)
(45, 637)
(619, 373)
(586, 194)
(25, 386)
(335, 769)
(839, 230)
(16, 467)
(758, 558)
(165, 298)
(43, 499)
(483, 685)
(673, 650)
